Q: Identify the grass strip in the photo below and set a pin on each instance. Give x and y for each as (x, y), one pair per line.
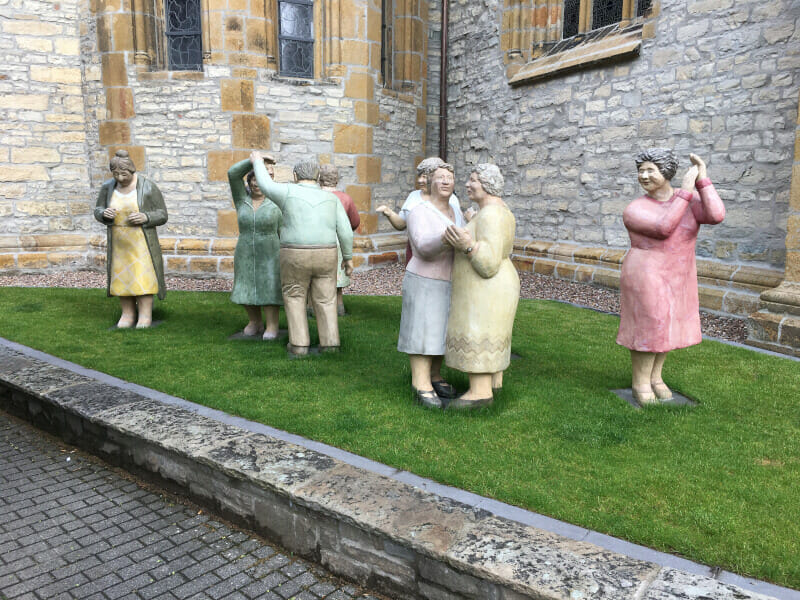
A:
(716, 483)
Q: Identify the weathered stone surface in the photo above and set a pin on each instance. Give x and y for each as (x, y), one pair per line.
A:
(672, 584)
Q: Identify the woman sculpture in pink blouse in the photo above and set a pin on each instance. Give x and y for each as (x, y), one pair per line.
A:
(426, 289)
(659, 308)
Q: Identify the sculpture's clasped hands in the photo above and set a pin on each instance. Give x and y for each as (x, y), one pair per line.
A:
(109, 214)
(137, 218)
(458, 237)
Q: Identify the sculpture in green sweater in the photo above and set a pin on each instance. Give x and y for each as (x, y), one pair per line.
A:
(313, 221)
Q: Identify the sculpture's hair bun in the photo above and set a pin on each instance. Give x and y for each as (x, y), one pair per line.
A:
(122, 153)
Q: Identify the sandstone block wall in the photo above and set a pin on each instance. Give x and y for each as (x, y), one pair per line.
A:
(45, 205)
(88, 78)
(719, 78)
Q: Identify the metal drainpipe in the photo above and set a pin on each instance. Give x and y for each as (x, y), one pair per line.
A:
(443, 87)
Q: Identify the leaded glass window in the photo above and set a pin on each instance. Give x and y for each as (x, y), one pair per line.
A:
(606, 12)
(296, 37)
(184, 48)
(642, 6)
(572, 13)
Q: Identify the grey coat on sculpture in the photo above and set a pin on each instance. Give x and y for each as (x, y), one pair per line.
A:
(151, 203)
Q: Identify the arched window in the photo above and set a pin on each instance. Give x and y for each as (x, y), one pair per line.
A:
(182, 28)
(296, 37)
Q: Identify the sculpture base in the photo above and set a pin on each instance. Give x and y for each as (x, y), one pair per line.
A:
(676, 400)
(240, 335)
(152, 325)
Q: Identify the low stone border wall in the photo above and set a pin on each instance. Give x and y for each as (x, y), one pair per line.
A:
(379, 532)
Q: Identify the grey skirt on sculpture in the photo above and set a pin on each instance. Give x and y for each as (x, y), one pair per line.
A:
(423, 322)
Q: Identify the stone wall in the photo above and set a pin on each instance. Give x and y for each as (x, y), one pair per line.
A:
(726, 90)
(100, 85)
(45, 201)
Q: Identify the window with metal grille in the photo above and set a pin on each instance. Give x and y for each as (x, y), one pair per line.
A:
(598, 13)
(296, 37)
(184, 47)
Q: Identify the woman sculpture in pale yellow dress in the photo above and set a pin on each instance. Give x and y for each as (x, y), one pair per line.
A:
(132, 207)
(485, 291)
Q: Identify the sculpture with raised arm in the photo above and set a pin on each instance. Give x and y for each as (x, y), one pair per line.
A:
(659, 306)
(256, 272)
(313, 221)
(131, 207)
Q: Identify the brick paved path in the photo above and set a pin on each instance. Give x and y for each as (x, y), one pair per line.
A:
(72, 529)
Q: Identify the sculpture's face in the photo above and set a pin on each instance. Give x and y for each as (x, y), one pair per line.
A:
(123, 176)
(270, 169)
(475, 191)
(422, 182)
(442, 183)
(650, 178)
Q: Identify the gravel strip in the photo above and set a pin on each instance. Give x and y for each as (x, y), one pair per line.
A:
(388, 280)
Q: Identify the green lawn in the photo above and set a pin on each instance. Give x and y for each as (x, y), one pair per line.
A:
(717, 483)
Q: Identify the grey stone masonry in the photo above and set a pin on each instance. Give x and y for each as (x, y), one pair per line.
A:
(716, 77)
(390, 536)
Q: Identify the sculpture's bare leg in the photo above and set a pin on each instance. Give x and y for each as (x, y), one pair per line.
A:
(660, 388)
(340, 302)
(128, 318)
(497, 380)
(642, 363)
(480, 387)
(145, 305)
(436, 368)
(421, 371)
(255, 326)
(271, 315)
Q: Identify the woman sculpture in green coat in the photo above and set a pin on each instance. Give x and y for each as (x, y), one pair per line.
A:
(131, 207)
(256, 270)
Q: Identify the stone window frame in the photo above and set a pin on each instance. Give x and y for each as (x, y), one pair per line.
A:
(534, 47)
(402, 47)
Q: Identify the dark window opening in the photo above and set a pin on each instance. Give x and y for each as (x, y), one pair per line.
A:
(572, 15)
(606, 12)
(296, 37)
(184, 47)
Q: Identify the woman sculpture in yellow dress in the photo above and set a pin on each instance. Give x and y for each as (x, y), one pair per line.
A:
(131, 207)
(485, 291)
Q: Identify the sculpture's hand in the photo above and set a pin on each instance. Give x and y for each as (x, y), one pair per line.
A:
(700, 164)
(458, 237)
(347, 265)
(689, 179)
(137, 218)
(384, 210)
(470, 213)
(255, 157)
(109, 214)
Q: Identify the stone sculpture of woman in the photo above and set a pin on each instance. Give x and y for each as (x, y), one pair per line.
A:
(659, 308)
(131, 206)
(485, 290)
(256, 262)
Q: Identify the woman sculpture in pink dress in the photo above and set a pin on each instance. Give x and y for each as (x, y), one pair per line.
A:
(659, 308)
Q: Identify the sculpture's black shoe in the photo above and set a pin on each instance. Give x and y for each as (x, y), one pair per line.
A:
(429, 399)
(444, 389)
(461, 404)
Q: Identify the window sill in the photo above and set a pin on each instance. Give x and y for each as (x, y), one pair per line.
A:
(170, 75)
(613, 47)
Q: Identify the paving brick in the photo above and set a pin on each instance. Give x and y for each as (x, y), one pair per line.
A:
(84, 533)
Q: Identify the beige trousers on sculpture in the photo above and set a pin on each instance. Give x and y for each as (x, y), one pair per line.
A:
(314, 269)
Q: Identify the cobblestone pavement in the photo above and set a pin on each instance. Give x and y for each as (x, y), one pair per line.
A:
(71, 528)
